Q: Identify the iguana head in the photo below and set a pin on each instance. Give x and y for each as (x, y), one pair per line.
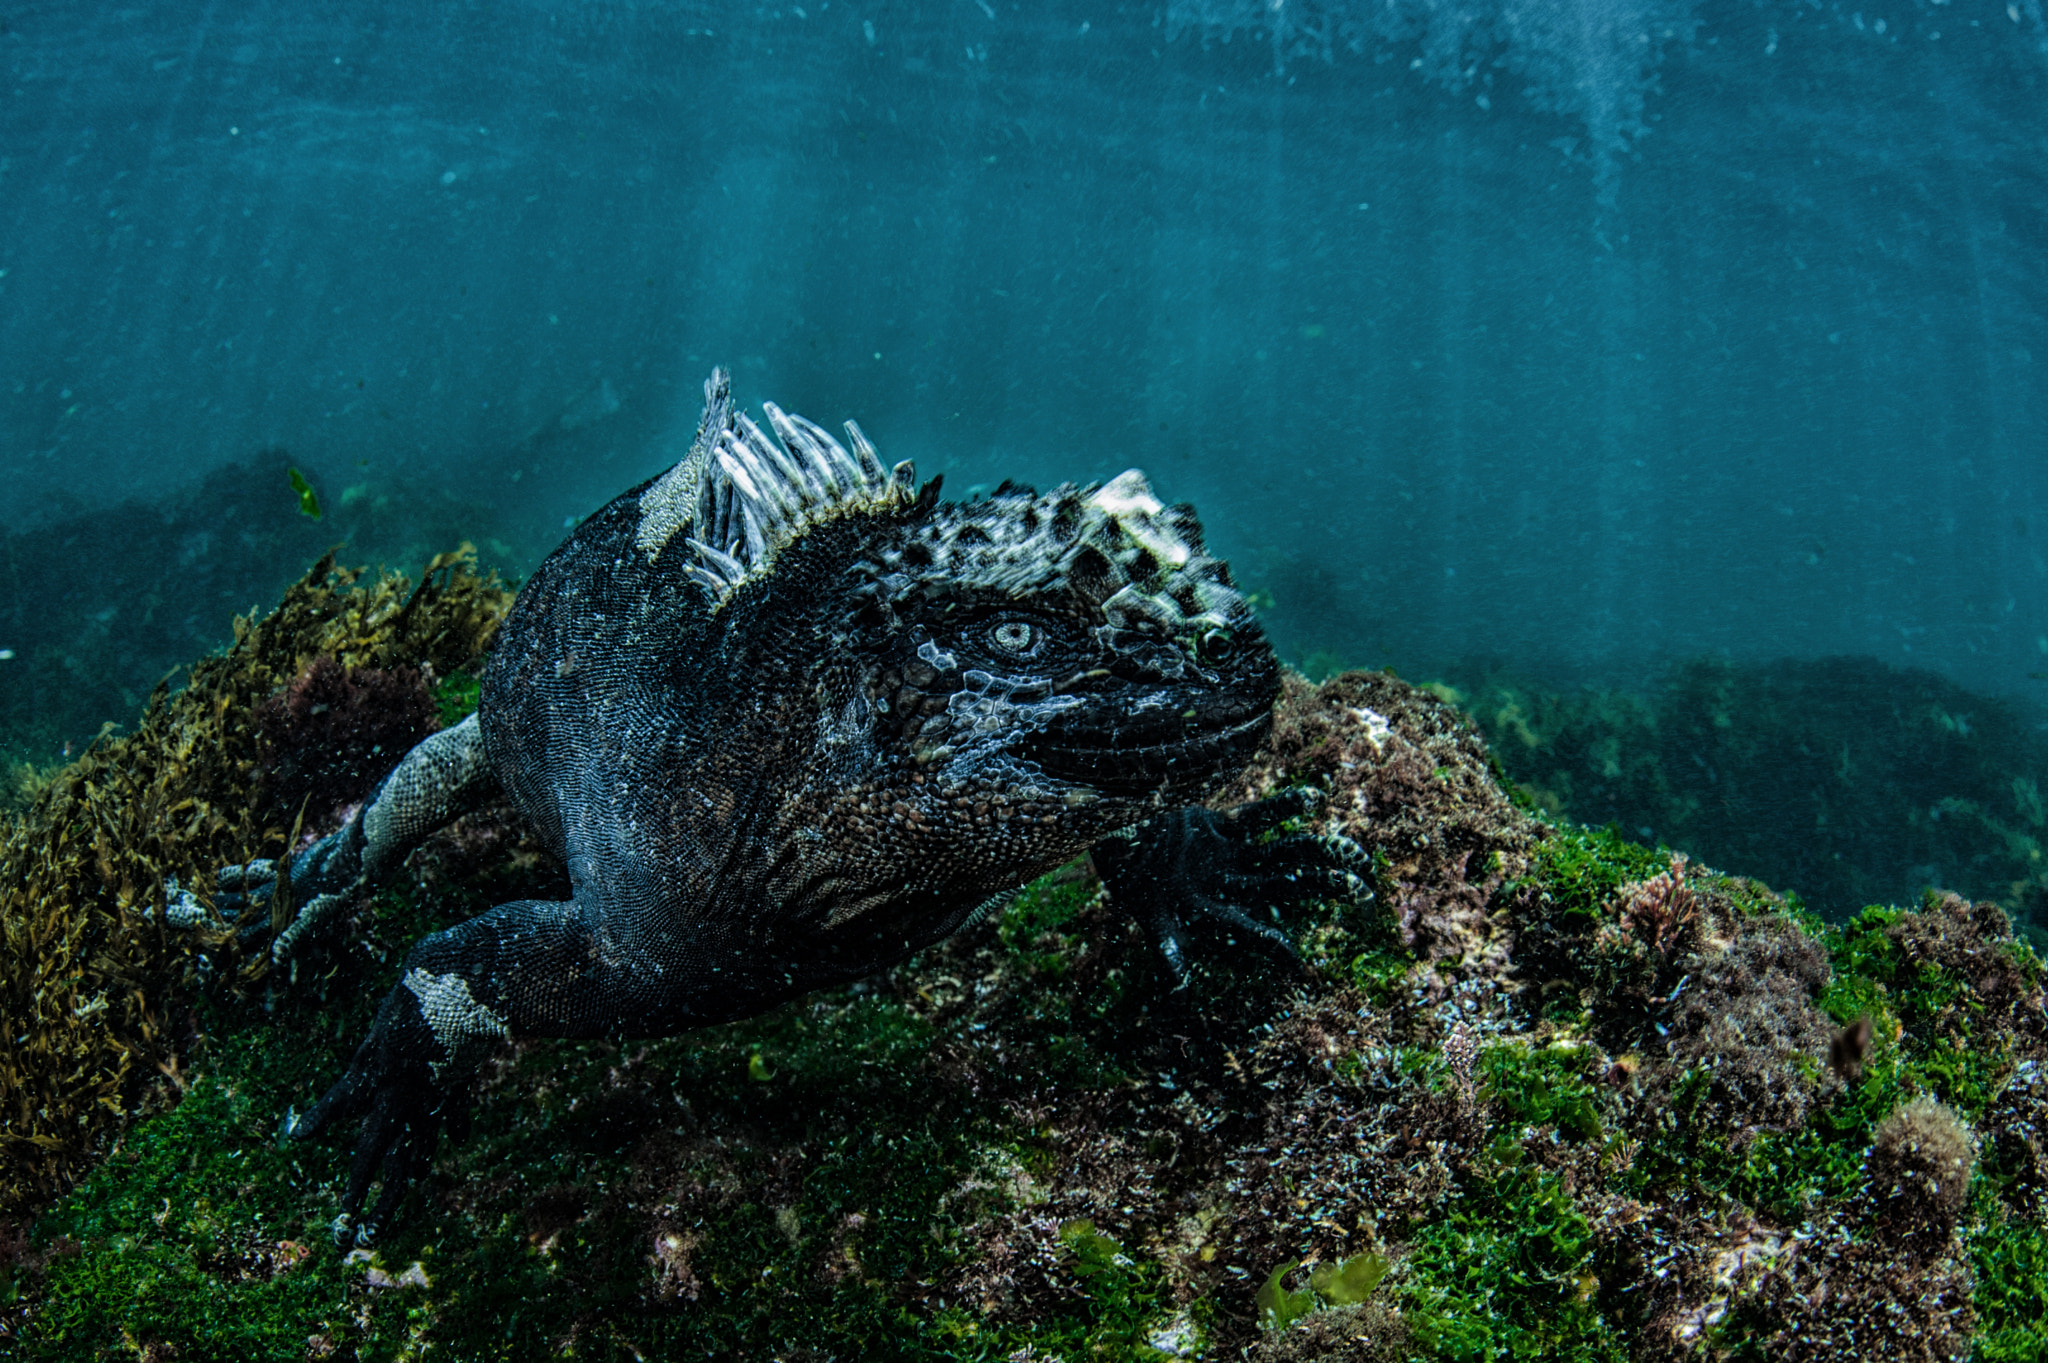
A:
(987, 685)
(1080, 641)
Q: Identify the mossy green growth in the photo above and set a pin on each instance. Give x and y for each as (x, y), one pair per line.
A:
(1936, 1013)
(1505, 1273)
(2010, 1257)
(456, 697)
(198, 1232)
(1033, 926)
(829, 1178)
(1547, 1085)
(1123, 1294)
(1381, 973)
(1787, 1174)
(1581, 869)
(1927, 1035)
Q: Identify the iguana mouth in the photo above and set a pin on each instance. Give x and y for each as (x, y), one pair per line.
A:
(1173, 747)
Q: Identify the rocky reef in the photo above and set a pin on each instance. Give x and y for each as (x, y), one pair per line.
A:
(1550, 1093)
(1856, 781)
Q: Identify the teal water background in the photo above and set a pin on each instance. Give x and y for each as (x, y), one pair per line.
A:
(1587, 334)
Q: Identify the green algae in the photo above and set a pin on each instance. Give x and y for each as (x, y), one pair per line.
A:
(1550, 1085)
(1346, 1282)
(2010, 1257)
(1503, 1275)
(1035, 925)
(456, 697)
(197, 1232)
(1581, 869)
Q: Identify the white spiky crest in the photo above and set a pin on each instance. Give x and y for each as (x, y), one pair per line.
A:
(739, 496)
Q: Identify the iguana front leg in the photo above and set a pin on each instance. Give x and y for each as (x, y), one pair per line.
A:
(444, 775)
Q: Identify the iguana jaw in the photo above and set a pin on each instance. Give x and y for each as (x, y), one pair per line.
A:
(1174, 743)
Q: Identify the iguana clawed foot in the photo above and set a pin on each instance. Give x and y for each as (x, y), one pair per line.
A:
(391, 1086)
(1193, 865)
(322, 879)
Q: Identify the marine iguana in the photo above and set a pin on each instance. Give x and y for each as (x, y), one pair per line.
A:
(788, 718)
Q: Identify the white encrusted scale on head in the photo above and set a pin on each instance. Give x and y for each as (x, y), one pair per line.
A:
(1141, 563)
(739, 495)
(1167, 579)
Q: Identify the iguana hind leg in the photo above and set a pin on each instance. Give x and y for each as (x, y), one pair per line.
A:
(524, 969)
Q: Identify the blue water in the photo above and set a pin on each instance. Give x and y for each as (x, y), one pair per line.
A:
(1587, 334)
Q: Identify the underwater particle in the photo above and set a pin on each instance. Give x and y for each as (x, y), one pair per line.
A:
(1919, 1174)
(309, 505)
(6, 655)
(1850, 1047)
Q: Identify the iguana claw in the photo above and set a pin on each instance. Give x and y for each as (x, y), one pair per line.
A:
(1194, 865)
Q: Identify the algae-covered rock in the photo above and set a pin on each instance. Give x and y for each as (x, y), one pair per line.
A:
(1411, 780)
(1919, 1174)
(1550, 1094)
(91, 977)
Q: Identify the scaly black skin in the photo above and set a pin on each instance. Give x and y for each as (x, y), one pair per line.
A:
(905, 710)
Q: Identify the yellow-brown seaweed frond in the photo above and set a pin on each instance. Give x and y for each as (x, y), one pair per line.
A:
(22, 782)
(88, 969)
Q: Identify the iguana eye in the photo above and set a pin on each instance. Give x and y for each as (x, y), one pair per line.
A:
(1018, 638)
